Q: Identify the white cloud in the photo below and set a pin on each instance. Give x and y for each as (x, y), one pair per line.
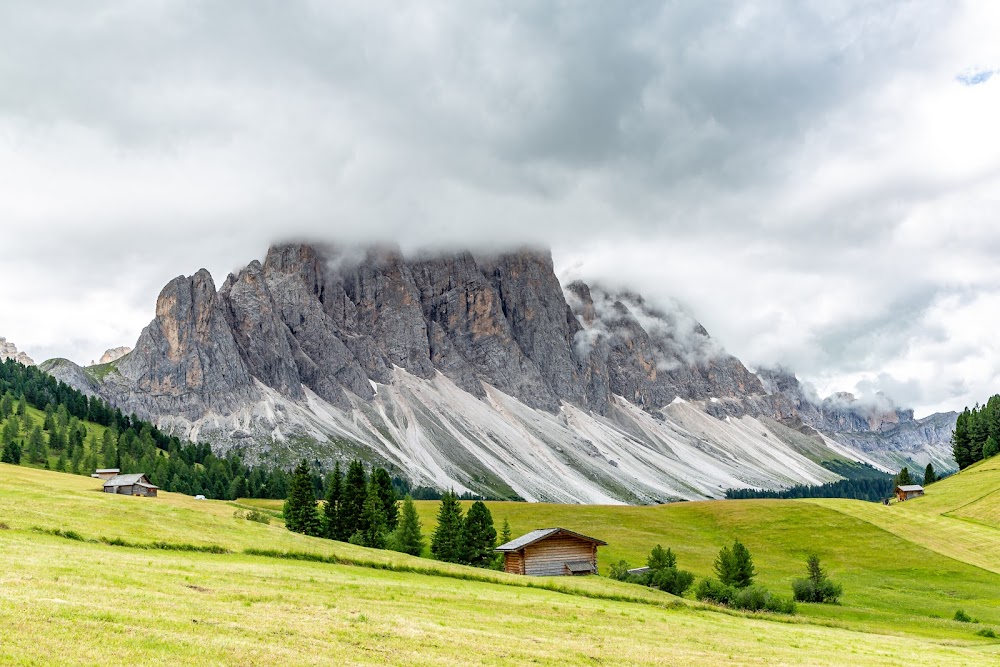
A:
(809, 179)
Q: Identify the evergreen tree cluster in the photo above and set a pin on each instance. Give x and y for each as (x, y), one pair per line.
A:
(357, 508)
(871, 489)
(128, 443)
(469, 540)
(977, 433)
(734, 587)
(662, 572)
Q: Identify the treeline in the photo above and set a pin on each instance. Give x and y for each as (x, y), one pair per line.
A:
(63, 440)
(977, 433)
(365, 510)
(870, 489)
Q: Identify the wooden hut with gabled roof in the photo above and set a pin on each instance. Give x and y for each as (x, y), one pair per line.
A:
(907, 491)
(131, 485)
(551, 552)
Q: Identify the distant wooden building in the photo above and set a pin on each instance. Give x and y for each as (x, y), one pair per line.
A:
(131, 485)
(551, 552)
(106, 473)
(908, 491)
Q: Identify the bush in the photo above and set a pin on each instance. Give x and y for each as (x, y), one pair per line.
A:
(987, 632)
(253, 515)
(817, 587)
(749, 598)
(962, 617)
(671, 580)
(712, 590)
(619, 571)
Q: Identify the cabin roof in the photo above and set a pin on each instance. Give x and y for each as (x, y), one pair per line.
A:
(541, 534)
(129, 480)
(108, 470)
(906, 488)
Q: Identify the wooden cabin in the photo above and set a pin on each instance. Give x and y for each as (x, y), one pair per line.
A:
(131, 485)
(549, 552)
(908, 491)
(106, 473)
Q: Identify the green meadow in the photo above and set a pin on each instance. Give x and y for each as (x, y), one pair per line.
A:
(123, 576)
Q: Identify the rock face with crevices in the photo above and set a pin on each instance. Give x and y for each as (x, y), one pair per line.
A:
(480, 372)
(9, 351)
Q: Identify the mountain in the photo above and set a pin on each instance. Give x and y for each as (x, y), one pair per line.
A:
(113, 354)
(9, 351)
(481, 373)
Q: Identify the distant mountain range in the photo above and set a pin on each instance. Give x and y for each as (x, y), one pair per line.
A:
(484, 373)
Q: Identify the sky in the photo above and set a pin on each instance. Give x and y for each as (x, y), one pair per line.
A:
(816, 182)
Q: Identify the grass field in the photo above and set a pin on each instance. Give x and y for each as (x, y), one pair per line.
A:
(70, 602)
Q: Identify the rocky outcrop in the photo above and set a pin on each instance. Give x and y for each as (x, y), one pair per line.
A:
(112, 355)
(9, 351)
(186, 362)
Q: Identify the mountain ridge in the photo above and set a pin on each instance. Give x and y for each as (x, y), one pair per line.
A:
(480, 372)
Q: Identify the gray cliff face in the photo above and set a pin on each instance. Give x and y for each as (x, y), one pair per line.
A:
(652, 357)
(186, 361)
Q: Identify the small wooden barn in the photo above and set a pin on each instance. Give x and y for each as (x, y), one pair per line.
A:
(908, 491)
(106, 473)
(131, 485)
(551, 552)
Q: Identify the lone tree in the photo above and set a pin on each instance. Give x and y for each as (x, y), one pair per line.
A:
(734, 566)
(930, 476)
(408, 537)
(479, 537)
(663, 572)
(903, 478)
(505, 535)
(300, 506)
(816, 587)
(446, 543)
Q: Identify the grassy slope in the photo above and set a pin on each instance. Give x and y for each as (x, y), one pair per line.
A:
(64, 602)
(959, 516)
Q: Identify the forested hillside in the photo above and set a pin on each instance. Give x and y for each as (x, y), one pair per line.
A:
(46, 424)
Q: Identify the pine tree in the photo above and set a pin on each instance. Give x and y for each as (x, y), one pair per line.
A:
(661, 559)
(734, 567)
(991, 448)
(371, 528)
(383, 487)
(903, 478)
(334, 498)
(505, 535)
(930, 476)
(408, 537)
(355, 492)
(479, 537)
(300, 506)
(446, 543)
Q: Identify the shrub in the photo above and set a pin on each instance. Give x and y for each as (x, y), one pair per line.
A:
(619, 571)
(671, 580)
(962, 617)
(253, 515)
(712, 590)
(748, 598)
(987, 632)
(817, 587)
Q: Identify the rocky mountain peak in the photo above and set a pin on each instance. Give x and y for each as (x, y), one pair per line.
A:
(9, 351)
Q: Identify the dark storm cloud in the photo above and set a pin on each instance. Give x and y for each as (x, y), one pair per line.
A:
(792, 172)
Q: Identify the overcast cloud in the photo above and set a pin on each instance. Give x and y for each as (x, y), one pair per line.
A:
(817, 182)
